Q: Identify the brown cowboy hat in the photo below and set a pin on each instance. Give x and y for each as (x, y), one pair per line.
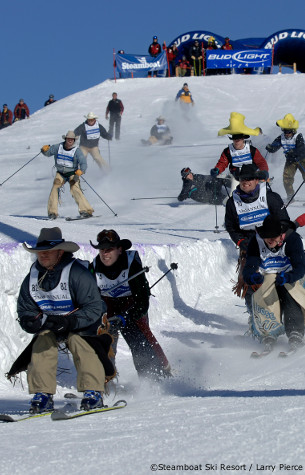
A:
(51, 239)
(109, 238)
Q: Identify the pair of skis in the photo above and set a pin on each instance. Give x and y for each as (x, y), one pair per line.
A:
(65, 413)
(267, 351)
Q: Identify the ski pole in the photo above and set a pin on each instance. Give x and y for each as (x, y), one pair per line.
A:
(286, 206)
(216, 226)
(153, 198)
(145, 269)
(99, 196)
(173, 266)
(109, 152)
(19, 169)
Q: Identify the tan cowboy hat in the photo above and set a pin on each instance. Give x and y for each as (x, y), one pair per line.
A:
(288, 122)
(69, 135)
(91, 115)
(51, 239)
(237, 126)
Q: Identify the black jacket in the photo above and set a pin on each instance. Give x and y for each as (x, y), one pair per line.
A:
(84, 292)
(293, 250)
(136, 305)
(81, 132)
(202, 188)
(275, 206)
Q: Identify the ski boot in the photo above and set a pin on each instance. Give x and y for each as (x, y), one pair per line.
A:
(41, 402)
(91, 400)
(295, 341)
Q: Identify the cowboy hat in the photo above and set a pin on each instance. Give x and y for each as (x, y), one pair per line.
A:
(91, 115)
(237, 126)
(271, 227)
(109, 238)
(288, 122)
(69, 135)
(51, 239)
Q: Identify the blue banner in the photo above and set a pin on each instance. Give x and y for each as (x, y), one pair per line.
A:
(257, 58)
(127, 63)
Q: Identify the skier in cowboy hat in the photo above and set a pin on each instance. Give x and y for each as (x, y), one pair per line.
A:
(90, 132)
(59, 301)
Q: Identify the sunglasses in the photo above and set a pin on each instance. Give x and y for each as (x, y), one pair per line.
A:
(108, 235)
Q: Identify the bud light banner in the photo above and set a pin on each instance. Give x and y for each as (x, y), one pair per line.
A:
(257, 58)
(127, 63)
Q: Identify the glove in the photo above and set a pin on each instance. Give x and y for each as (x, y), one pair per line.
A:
(117, 322)
(256, 278)
(31, 324)
(290, 156)
(263, 175)
(45, 148)
(214, 172)
(59, 323)
(269, 148)
(242, 244)
(78, 172)
(282, 278)
(300, 220)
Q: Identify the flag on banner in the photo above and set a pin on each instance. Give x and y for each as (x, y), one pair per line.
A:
(128, 63)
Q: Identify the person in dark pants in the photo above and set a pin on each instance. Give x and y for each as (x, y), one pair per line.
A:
(276, 260)
(6, 117)
(115, 108)
(127, 302)
(201, 188)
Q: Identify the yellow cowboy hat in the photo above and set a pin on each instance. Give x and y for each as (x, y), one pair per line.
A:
(237, 126)
(288, 122)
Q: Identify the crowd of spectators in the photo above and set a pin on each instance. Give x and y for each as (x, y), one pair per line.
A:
(21, 112)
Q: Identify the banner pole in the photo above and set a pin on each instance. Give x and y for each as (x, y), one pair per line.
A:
(114, 65)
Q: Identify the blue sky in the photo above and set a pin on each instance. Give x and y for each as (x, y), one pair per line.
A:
(62, 47)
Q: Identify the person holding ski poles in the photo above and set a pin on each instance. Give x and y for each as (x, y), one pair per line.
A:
(294, 151)
(70, 164)
(59, 302)
(127, 301)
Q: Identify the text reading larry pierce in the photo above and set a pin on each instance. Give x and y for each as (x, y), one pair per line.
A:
(229, 468)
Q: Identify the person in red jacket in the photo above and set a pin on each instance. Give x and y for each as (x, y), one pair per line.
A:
(6, 117)
(154, 50)
(240, 152)
(172, 53)
(21, 111)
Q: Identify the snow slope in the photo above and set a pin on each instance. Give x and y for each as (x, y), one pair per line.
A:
(222, 412)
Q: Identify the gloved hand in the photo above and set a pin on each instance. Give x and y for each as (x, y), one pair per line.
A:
(59, 323)
(263, 175)
(300, 221)
(269, 148)
(31, 324)
(242, 244)
(256, 278)
(282, 278)
(117, 322)
(45, 148)
(78, 172)
(290, 156)
(214, 172)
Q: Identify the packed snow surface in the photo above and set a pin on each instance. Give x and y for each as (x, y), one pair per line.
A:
(222, 412)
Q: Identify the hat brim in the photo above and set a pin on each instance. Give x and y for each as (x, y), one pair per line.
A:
(67, 246)
(124, 243)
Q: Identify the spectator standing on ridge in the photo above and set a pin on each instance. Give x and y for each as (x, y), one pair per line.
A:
(294, 151)
(226, 46)
(128, 301)
(195, 53)
(240, 152)
(211, 46)
(21, 111)
(183, 67)
(115, 108)
(51, 100)
(154, 50)
(70, 164)
(6, 117)
(90, 132)
(172, 53)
